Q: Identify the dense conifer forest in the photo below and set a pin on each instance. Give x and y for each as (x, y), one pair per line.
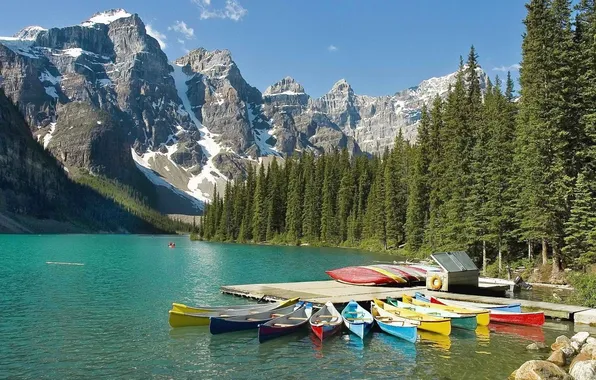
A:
(499, 174)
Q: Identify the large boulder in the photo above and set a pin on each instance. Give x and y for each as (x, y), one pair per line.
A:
(539, 370)
(582, 357)
(589, 349)
(585, 370)
(561, 341)
(558, 358)
(580, 337)
(536, 346)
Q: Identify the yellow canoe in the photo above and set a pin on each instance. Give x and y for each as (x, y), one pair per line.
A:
(482, 315)
(212, 309)
(394, 277)
(422, 321)
(178, 318)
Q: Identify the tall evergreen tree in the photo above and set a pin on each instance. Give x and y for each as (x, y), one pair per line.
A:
(419, 192)
(259, 219)
(542, 144)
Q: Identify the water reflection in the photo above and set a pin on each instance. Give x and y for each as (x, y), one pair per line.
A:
(483, 336)
(534, 333)
(442, 342)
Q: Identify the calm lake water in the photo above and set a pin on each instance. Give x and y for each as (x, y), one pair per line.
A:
(108, 318)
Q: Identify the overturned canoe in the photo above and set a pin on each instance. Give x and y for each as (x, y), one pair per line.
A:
(359, 276)
(326, 322)
(402, 272)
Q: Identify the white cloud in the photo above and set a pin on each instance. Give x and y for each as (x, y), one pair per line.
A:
(182, 28)
(232, 10)
(514, 67)
(332, 48)
(160, 37)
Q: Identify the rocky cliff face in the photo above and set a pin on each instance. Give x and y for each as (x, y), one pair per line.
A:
(37, 196)
(102, 96)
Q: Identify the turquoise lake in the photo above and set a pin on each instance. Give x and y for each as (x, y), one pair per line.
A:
(109, 317)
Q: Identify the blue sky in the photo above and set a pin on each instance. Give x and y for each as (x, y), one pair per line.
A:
(378, 46)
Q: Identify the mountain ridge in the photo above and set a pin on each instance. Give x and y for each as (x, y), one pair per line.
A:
(194, 123)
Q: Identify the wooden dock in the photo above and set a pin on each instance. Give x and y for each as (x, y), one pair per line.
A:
(319, 292)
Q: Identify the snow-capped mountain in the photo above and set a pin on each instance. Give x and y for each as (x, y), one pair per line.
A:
(102, 97)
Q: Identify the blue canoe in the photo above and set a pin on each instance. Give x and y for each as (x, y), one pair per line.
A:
(391, 325)
(219, 325)
(511, 308)
(357, 319)
(286, 324)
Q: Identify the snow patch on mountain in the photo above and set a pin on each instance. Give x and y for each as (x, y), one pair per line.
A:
(106, 17)
(29, 33)
(20, 46)
(143, 163)
(48, 137)
(209, 173)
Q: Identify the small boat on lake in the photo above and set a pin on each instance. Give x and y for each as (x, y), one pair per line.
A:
(326, 322)
(466, 322)
(513, 307)
(184, 316)
(482, 315)
(393, 325)
(357, 319)
(286, 324)
(535, 318)
(426, 322)
(224, 324)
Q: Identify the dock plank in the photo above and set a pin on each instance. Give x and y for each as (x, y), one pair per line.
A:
(319, 292)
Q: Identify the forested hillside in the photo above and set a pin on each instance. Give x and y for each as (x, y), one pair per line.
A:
(499, 176)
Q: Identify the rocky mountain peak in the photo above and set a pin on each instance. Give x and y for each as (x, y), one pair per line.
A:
(29, 33)
(286, 86)
(106, 17)
(341, 86)
(210, 63)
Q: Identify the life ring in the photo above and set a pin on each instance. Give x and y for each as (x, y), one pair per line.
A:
(435, 282)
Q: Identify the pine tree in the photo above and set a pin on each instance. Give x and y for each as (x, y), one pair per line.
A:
(329, 227)
(417, 215)
(436, 178)
(294, 210)
(259, 219)
(345, 202)
(580, 242)
(542, 145)
(396, 192)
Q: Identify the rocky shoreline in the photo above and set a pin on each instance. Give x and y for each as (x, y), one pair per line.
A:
(570, 359)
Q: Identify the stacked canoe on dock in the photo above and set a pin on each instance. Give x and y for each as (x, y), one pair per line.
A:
(407, 318)
(381, 274)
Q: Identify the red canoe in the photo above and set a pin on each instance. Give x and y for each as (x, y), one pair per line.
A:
(359, 276)
(528, 319)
